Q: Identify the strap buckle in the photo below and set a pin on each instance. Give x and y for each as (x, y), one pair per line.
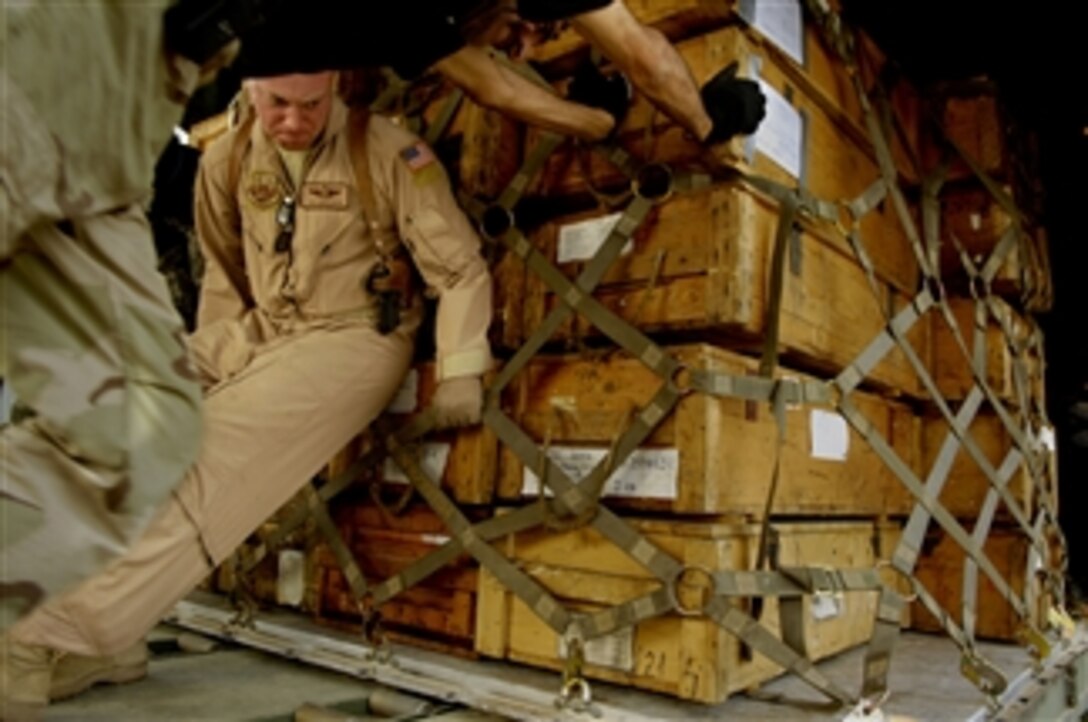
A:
(1059, 619)
(1037, 643)
(574, 692)
(868, 709)
(982, 674)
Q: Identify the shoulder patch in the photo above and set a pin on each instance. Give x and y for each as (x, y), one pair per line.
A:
(422, 162)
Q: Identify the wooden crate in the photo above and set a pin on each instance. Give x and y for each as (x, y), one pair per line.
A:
(967, 484)
(710, 455)
(463, 460)
(440, 612)
(973, 115)
(714, 252)
(951, 369)
(940, 570)
(973, 216)
(836, 160)
(688, 657)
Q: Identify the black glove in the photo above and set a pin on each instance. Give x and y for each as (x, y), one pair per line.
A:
(735, 105)
(611, 93)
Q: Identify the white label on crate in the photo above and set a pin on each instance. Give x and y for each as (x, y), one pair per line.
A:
(615, 651)
(647, 473)
(434, 539)
(826, 606)
(407, 395)
(781, 22)
(290, 577)
(830, 435)
(781, 134)
(580, 241)
(433, 462)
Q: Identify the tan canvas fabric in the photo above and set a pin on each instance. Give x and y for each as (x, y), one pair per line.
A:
(90, 343)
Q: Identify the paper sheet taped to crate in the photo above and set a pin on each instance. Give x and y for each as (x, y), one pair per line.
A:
(647, 473)
(830, 435)
(615, 650)
(580, 241)
(781, 22)
(781, 134)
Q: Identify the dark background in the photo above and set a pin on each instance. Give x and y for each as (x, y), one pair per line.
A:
(1036, 55)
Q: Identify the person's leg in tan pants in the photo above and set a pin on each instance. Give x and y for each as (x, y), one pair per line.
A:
(267, 432)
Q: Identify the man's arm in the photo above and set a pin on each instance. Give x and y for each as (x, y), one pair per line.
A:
(224, 290)
(446, 250)
(496, 86)
(645, 56)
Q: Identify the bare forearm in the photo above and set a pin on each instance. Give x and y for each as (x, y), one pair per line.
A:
(495, 86)
(650, 61)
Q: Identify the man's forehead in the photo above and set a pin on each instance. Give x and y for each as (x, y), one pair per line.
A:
(297, 87)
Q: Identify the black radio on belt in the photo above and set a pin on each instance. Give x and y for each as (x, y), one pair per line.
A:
(391, 281)
(198, 29)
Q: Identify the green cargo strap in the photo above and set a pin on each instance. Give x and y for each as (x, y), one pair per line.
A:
(911, 540)
(543, 604)
(344, 558)
(759, 389)
(445, 116)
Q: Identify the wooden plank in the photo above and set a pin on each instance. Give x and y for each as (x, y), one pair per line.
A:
(967, 484)
(710, 455)
(687, 657)
(952, 369)
(713, 252)
(970, 115)
(940, 570)
(838, 163)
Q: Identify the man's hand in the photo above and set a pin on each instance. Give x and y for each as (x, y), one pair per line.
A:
(458, 402)
(736, 105)
(611, 93)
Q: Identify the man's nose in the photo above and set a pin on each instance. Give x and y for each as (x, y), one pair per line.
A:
(292, 119)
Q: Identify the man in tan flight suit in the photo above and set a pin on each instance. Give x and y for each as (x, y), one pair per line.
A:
(288, 349)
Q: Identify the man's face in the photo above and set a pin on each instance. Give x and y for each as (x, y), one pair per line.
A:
(293, 109)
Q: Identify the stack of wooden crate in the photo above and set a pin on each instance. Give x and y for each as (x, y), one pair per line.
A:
(968, 130)
(697, 279)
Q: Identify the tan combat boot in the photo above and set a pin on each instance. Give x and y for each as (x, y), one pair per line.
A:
(25, 672)
(75, 674)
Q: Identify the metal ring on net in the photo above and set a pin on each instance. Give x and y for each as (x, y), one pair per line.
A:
(674, 596)
(495, 221)
(653, 182)
(910, 580)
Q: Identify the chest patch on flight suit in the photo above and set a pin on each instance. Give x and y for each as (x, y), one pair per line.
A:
(423, 164)
(263, 188)
(323, 195)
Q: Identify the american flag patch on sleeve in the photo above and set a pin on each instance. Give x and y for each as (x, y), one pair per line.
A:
(418, 156)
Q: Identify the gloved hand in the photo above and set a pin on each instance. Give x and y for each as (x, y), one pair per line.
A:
(735, 105)
(458, 402)
(611, 93)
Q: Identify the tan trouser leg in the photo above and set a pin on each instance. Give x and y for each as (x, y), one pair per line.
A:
(267, 431)
(92, 346)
